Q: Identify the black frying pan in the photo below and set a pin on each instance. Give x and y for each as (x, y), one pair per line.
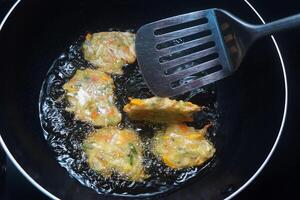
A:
(252, 105)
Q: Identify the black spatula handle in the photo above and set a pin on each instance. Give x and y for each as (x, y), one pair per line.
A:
(278, 25)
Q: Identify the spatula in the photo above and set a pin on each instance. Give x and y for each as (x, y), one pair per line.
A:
(188, 51)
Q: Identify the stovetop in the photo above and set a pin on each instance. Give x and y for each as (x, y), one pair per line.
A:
(279, 178)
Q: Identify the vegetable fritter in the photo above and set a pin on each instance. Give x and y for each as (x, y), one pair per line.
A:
(181, 146)
(113, 150)
(90, 94)
(161, 110)
(109, 51)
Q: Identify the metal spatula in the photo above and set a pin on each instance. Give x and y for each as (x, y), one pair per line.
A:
(185, 52)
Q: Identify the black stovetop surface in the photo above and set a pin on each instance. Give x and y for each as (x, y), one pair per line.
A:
(279, 179)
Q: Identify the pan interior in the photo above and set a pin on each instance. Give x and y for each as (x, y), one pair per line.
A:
(65, 135)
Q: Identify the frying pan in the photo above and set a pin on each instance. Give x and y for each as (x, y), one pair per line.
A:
(252, 103)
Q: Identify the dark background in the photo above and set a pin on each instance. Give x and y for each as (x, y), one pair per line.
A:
(279, 178)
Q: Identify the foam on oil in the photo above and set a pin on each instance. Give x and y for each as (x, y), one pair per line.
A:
(65, 134)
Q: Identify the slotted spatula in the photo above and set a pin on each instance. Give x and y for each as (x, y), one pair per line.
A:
(185, 52)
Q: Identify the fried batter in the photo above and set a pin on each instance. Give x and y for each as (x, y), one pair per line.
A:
(113, 150)
(109, 51)
(181, 146)
(91, 97)
(161, 110)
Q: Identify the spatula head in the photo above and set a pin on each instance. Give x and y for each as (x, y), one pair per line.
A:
(182, 53)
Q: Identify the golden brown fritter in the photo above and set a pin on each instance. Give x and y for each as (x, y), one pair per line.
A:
(91, 97)
(180, 146)
(161, 110)
(113, 150)
(109, 51)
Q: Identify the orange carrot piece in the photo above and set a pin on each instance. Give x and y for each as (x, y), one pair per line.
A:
(94, 114)
(183, 127)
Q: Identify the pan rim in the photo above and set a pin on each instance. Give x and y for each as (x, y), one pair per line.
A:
(258, 171)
